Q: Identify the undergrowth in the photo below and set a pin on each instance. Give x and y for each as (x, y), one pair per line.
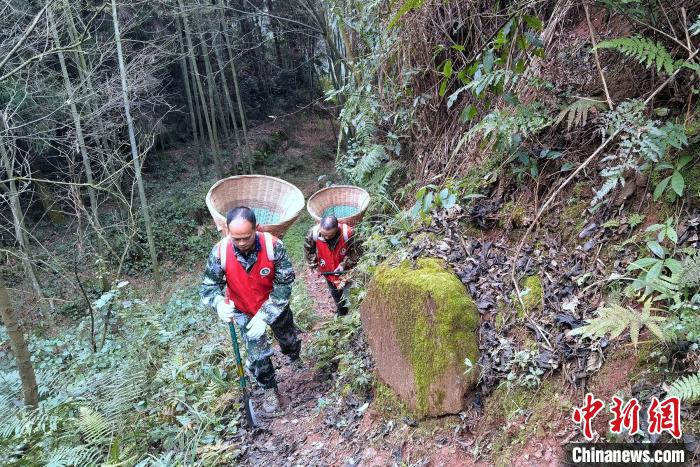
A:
(160, 390)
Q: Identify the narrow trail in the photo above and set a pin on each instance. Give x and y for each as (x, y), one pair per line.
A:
(315, 430)
(311, 432)
(303, 435)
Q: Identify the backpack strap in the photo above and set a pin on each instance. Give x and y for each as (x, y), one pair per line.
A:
(223, 249)
(269, 245)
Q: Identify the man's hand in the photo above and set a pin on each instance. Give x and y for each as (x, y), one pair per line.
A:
(225, 310)
(339, 268)
(256, 327)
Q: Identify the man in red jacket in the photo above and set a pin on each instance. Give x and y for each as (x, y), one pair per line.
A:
(330, 248)
(248, 279)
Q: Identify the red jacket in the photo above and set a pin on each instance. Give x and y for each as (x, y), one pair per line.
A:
(329, 259)
(249, 290)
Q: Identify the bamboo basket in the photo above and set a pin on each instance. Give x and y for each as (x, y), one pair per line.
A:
(342, 196)
(278, 199)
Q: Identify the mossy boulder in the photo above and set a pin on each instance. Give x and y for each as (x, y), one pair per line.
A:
(421, 326)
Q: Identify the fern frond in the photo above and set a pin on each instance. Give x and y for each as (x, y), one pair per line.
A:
(645, 51)
(576, 113)
(379, 182)
(94, 427)
(612, 320)
(113, 394)
(690, 271)
(687, 388)
(374, 158)
(74, 455)
(695, 27)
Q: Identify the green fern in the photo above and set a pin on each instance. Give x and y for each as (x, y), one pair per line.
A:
(686, 389)
(379, 182)
(645, 51)
(690, 271)
(74, 455)
(695, 27)
(576, 113)
(374, 158)
(94, 428)
(614, 319)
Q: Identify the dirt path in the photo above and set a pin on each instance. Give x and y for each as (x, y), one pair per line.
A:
(314, 430)
(310, 432)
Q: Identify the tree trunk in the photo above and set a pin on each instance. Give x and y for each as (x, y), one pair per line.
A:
(274, 27)
(214, 104)
(232, 59)
(188, 93)
(83, 72)
(213, 138)
(19, 348)
(227, 95)
(18, 224)
(68, 86)
(134, 147)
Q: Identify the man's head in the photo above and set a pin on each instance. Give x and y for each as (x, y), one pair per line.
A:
(241, 227)
(329, 227)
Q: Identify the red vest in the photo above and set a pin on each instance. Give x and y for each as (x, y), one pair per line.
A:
(329, 259)
(249, 290)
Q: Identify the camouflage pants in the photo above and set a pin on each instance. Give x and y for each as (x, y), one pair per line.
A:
(260, 350)
(339, 297)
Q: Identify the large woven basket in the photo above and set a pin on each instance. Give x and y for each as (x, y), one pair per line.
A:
(340, 195)
(258, 192)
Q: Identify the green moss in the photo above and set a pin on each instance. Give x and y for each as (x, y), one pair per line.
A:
(692, 181)
(539, 409)
(387, 402)
(512, 214)
(533, 296)
(574, 214)
(431, 342)
(501, 314)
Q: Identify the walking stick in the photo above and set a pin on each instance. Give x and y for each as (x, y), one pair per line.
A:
(242, 380)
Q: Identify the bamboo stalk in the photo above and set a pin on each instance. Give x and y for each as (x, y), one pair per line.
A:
(188, 94)
(213, 138)
(134, 147)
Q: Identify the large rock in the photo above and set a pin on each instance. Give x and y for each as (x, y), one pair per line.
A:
(421, 325)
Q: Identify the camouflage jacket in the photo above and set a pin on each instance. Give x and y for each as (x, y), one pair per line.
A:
(214, 281)
(312, 257)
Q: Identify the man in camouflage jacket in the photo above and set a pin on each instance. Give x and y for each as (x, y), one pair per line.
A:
(254, 295)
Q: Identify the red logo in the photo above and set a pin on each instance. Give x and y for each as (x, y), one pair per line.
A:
(587, 413)
(626, 417)
(662, 416)
(665, 416)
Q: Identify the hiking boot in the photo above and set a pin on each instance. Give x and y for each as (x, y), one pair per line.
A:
(248, 368)
(271, 401)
